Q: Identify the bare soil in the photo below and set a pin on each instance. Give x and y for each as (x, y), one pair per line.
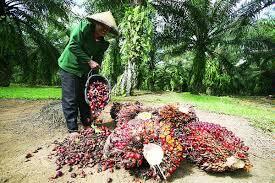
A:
(27, 125)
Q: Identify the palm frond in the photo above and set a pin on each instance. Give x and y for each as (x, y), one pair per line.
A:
(28, 20)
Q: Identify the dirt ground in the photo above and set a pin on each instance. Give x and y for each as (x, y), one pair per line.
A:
(28, 125)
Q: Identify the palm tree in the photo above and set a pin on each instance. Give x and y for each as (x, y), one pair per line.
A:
(23, 24)
(203, 26)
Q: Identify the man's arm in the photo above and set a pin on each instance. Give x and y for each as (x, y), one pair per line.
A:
(76, 38)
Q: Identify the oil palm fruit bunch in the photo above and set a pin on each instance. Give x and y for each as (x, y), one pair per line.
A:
(214, 148)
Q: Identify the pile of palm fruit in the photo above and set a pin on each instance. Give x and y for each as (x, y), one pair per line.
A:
(179, 133)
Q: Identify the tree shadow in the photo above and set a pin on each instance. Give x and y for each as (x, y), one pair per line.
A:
(240, 174)
(185, 169)
(141, 93)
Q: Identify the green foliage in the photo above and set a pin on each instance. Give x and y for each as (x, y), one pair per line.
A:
(208, 46)
(202, 26)
(136, 44)
(172, 73)
(136, 29)
(216, 82)
(111, 65)
(117, 7)
(255, 74)
(107, 66)
(26, 46)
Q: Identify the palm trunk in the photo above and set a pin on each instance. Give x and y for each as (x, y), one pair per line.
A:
(116, 69)
(5, 72)
(2, 6)
(128, 80)
(152, 67)
(198, 71)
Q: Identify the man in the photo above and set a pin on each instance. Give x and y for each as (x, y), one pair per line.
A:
(84, 52)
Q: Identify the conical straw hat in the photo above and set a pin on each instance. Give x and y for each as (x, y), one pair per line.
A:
(107, 19)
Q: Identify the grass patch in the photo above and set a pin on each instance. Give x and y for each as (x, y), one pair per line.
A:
(25, 92)
(258, 110)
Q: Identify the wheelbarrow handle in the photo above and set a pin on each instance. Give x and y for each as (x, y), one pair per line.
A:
(90, 73)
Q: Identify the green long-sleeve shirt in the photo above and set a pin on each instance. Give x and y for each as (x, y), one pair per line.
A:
(81, 48)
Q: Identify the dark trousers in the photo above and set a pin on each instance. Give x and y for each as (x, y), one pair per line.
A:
(73, 100)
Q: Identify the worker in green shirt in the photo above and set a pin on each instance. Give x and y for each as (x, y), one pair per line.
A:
(84, 52)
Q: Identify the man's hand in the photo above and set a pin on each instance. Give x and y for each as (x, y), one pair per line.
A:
(94, 65)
